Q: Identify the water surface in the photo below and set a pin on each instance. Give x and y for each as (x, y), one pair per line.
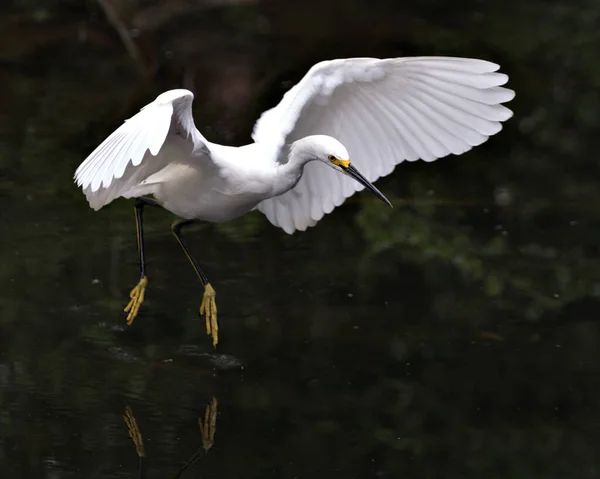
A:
(453, 336)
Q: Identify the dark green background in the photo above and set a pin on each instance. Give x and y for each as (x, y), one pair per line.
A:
(454, 336)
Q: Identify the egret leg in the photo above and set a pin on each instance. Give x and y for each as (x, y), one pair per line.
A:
(137, 294)
(208, 307)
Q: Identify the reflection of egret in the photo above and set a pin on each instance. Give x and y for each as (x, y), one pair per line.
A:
(383, 111)
(136, 437)
(208, 428)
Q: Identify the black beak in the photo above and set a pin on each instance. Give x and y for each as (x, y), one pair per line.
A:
(354, 173)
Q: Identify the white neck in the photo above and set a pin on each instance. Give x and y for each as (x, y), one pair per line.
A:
(301, 152)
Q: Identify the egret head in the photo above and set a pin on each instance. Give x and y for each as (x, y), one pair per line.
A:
(331, 152)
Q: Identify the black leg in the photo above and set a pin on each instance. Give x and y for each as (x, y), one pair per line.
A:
(176, 227)
(137, 293)
(139, 227)
(208, 308)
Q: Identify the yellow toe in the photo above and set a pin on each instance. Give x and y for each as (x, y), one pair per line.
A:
(208, 308)
(137, 298)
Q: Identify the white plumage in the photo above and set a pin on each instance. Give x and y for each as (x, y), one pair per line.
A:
(376, 113)
(381, 111)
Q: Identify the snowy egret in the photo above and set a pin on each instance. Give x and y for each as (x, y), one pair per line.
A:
(384, 111)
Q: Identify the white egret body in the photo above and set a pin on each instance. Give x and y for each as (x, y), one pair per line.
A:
(376, 112)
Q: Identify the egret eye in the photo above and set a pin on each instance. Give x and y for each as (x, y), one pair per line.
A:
(330, 157)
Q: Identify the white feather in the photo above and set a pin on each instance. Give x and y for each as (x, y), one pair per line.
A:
(131, 153)
(384, 112)
(381, 112)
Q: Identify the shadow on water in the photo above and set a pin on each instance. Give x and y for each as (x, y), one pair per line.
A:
(453, 336)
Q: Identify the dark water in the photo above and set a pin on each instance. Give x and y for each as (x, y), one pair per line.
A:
(454, 336)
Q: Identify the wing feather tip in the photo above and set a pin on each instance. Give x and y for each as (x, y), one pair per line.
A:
(288, 229)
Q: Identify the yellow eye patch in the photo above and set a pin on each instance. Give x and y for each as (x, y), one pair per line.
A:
(342, 163)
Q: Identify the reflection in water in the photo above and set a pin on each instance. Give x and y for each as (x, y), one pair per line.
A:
(208, 429)
(134, 431)
(136, 436)
(368, 347)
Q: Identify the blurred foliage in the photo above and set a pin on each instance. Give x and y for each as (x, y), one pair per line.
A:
(453, 336)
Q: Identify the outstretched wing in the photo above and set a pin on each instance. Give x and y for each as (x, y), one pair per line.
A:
(132, 152)
(384, 112)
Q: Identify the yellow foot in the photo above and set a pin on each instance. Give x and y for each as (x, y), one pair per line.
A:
(208, 308)
(137, 298)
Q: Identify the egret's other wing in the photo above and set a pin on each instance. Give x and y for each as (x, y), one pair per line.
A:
(384, 112)
(129, 155)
